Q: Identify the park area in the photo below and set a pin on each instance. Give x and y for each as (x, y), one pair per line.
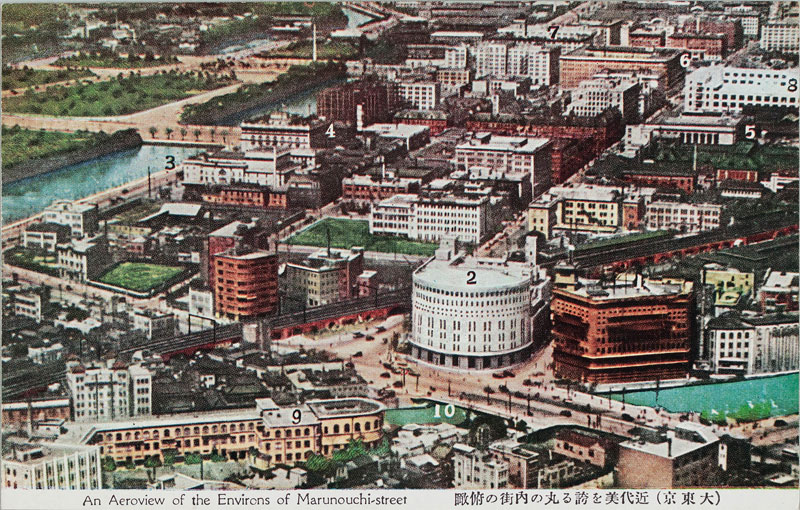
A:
(21, 145)
(35, 260)
(346, 233)
(325, 50)
(19, 78)
(120, 96)
(139, 276)
(112, 60)
(743, 400)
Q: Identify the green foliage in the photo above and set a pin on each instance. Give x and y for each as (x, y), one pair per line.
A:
(139, 276)
(117, 97)
(76, 314)
(216, 457)
(110, 59)
(385, 51)
(31, 259)
(26, 144)
(192, 458)
(130, 465)
(348, 233)
(325, 50)
(152, 461)
(169, 457)
(258, 94)
(108, 464)
(17, 78)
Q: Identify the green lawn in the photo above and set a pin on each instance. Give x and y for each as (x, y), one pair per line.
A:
(426, 415)
(15, 78)
(139, 276)
(121, 96)
(325, 50)
(348, 233)
(114, 61)
(26, 144)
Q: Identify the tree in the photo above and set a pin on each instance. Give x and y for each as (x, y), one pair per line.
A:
(183, 133)
(152, 462)
(196, 134)
(169, 132)
(153, 130)
(108, 464)
(213, 132)
(488, 390)
(225, 134)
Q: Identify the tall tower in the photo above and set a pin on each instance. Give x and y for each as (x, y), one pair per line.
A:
(314, 42)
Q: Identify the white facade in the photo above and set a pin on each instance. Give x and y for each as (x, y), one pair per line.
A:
(473, 469)
(423, 219)
(529, 60)
(690, 218)
(476, 313)
(81, 259)
(420, 95)
(271, 167)
(456, 57)
(28, 305)
(689, 129)
(279, 129)
(729, 89)
(46, 353)
(754, 345)
(201, 302)
(52, 466)
(592, 97)
(780, 36)
(102, 394)
(153, 324)
(81, 218)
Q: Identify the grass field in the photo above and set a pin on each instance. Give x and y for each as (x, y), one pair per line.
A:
(348, 233)
(326, 50)
(121, 96)
(33, 260)
(139, 276)
(14, 78)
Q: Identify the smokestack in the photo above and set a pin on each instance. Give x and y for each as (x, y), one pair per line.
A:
(314, 42)
(669, 447)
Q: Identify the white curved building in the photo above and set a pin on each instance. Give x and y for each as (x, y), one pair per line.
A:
(477, 313)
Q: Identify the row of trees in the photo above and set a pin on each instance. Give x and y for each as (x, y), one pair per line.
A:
(153, 130)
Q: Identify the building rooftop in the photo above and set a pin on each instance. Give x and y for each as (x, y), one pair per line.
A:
(620, 291)
(673, 447)
(488, 273)
(396, 130)
(339, 408)
(521, 144)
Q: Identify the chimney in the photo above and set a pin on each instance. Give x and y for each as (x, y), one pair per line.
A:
(669, 447)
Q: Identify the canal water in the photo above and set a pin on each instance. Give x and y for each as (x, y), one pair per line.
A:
(29, 196)
(777, 395)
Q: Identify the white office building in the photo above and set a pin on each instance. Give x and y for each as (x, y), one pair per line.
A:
(594, 96)
(81, 218)
(473, 313)
(474, 469)
(52, 466)
(109, 393)
(269, 167)
(684, 217)
(780, 36)
(754, 344)
(729, 89)
(525, 60)
(420, 94)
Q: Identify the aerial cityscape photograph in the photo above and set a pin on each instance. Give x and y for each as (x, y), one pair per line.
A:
(456, 245)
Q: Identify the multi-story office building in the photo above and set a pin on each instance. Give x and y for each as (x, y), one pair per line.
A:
(274, 433)
(476, 469)
(83, 259)
(701, 46)
(82, 219)
(358, 103)
(20, 415)
(455, 57)
(154, 324)
(420, 94)
(780, 36)
(271, 166)
(109, 393)
(594, 96)
(325, 277)
(435, 214)
(685, 217)
(369, 188)
(588, 208)
(470, 313)
(525, 60)
(45, 236)
(582, 64)
(282, 130)
(631, 331)
(685, 457)
(780, 289)
(753, 344)
(512, 155)
(51, 466)
(708, 129)
(453, 78)
(730, 89)
(244, 282)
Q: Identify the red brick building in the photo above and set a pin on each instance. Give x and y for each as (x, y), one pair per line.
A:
(346, 102)
(249, 196)
(369, 188)
(712, 45)
(621, 333)
(661, 177)
(582, 64)
(17, 414)
(245, 283)
(737, 175)
(644, 39)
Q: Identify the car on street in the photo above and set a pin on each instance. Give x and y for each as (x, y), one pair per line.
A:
(566, 413)
(358, 354)
(370, 338)
(386, 375)
(358, 334)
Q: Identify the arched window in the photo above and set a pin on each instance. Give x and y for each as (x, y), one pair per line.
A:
(205, 429)
(224, 429)
(137, 435)
(127, 436)
(357, 427)
(288, 433)
(197, 430)
(213, 429)
(336, 429)
(241, 427)
(347, 427)
(307, 432)
(277, 433)
(186, 431)
(367, 425)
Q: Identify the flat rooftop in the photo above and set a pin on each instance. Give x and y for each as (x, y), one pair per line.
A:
(339, 408)
(452, 274)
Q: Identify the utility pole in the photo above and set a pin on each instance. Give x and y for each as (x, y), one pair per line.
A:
(314, 42)
(149, 185)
